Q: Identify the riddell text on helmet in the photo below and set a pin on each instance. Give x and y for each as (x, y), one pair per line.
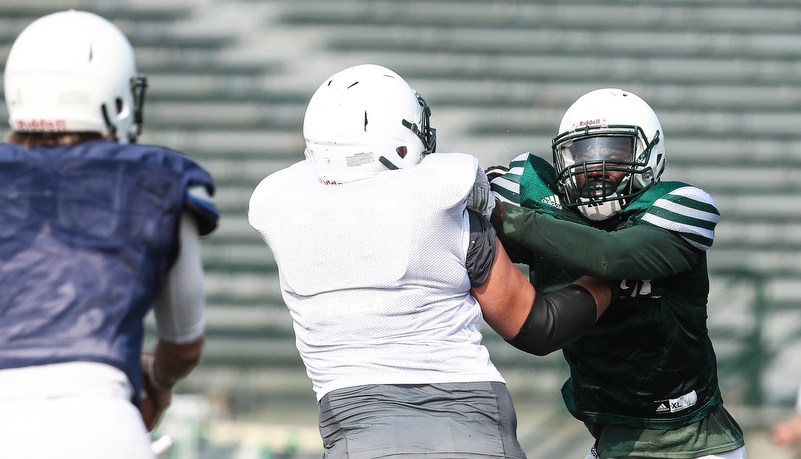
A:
(41, 126)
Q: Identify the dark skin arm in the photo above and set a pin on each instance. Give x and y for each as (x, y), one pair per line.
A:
(507, 297)
(172, 362)
(599, 290)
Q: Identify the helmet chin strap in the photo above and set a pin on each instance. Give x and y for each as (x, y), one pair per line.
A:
(112, 129)
(389, 164)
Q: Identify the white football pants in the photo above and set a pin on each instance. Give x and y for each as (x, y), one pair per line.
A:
(70, 411)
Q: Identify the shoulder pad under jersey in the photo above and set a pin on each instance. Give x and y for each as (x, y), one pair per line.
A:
(507, 187)
(683, 209)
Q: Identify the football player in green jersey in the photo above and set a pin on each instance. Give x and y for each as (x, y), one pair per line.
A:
(644, 378)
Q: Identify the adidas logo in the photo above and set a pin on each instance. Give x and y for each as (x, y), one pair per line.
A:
(674, 405)
(552, 201)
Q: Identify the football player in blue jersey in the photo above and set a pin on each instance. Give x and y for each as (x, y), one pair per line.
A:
(94, 232)
(644, 378)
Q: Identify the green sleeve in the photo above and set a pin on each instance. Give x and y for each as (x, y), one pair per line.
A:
(640, 252)
(516, 252)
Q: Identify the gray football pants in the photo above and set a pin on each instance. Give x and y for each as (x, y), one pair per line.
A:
(455, 420)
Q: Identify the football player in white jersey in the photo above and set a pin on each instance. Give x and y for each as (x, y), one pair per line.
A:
(95, 231)
(388, 265)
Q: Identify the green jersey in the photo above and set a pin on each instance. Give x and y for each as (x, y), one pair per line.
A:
(648, 364)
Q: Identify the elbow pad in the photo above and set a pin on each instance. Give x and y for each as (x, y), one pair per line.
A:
(556, 320)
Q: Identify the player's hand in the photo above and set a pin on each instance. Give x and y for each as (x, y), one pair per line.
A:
(154, 400)
(494, 172)
(787, 433)
(496, 218)
(480, 199)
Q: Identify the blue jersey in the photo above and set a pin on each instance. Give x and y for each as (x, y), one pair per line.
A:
(87, 234)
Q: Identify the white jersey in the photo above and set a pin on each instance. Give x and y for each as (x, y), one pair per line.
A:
(373, 273)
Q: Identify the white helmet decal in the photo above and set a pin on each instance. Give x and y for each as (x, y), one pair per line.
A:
(74, 71)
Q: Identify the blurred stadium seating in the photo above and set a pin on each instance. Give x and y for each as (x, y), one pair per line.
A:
(229, 81)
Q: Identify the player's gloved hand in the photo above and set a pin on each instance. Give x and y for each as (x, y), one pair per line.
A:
(494, 172)
(480, 199)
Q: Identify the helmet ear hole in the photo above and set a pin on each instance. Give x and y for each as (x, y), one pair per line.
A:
(401, 151)
(119, 105)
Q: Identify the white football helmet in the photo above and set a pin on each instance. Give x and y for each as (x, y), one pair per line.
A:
(364, 120)
(610, 149)
(74, 71)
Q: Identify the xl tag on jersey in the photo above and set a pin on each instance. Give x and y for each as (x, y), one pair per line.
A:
(674, 405)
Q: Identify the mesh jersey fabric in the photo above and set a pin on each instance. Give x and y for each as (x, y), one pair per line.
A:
(86, 235)
(648, 363)
(373, 273)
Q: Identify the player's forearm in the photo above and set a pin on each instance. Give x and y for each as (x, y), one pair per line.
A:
(172, 362)
(534, 322)
(559, 318)
(161, 371)
(505, 297)
(640, 252)
(600, 291)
